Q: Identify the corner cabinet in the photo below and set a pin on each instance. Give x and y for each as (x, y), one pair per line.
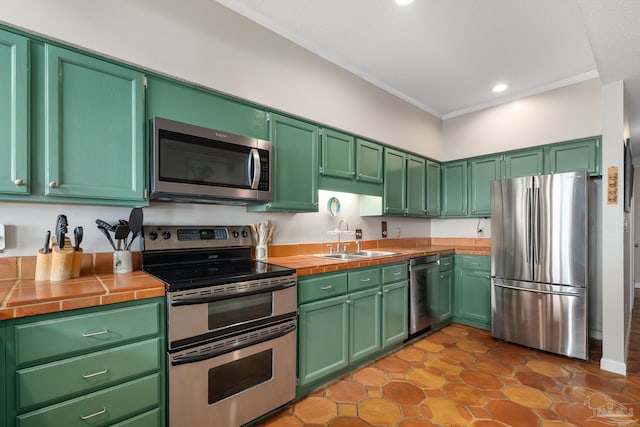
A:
(295, 166)
(94, 128)
(97, 366)
(14, 114)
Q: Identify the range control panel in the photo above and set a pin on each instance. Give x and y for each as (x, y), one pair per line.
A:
(195, 237)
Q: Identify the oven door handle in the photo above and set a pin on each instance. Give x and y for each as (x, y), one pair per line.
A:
(191, 300)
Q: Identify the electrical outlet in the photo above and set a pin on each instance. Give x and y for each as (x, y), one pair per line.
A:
(384, 229)
(480, 232)
(398, 232)
(358, 233)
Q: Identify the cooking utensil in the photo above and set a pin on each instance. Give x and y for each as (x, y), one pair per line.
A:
(106, 233)
(106, 225)
(135, 224)
(47, 239)
(61, 230)
(254, 233)
(78, 233)
(121, 233)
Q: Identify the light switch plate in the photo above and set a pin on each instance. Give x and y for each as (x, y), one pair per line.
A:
(2, 238)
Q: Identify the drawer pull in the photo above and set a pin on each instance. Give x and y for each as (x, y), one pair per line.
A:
(397, 273)
(368, 279)
(324, 288)
(386, 291)
(95, 374)
(95, 414)
(93, 334)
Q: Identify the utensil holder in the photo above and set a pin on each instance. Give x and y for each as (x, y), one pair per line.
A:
(61, 264)
(43, 265)
(122, 262)
(77, 263)
(262, 252)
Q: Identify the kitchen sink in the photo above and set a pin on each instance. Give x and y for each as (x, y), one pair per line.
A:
(356, 255)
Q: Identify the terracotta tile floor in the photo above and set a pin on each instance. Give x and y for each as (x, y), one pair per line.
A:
(460, 376)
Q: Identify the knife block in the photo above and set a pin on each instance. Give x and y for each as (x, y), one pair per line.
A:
(43, 265)
(77, 263)
(61, 263)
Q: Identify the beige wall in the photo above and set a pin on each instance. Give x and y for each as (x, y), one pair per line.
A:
(562, 114)
(206, 43)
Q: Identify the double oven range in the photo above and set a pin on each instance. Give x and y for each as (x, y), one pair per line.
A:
(231, 321)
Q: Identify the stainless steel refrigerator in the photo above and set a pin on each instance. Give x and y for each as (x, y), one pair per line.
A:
(539, 262)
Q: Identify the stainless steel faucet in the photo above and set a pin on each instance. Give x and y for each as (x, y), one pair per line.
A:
(342, 221)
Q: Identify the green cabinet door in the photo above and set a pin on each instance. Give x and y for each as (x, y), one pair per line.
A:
(94, 120)
(445, 295)
(3, 381)
(432, 198)
(523, 163)
(416, 182)
(14, 114)
(482, 171)
(574, 155)
(364, 323)
(395, 182)
(337, 150)
(475, 297)
(454, 188)
(395, 313)
(368, 161)
(295, 166)
(323, 338)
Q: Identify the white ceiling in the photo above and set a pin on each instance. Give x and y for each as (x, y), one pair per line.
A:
(444, 56)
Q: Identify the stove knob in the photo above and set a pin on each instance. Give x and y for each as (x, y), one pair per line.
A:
(166, 235)
(153, 235)
(244, 234)
(235, 234)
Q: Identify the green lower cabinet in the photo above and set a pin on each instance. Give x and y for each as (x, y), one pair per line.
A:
(445, 295)
(3, 381)
(364, 324)
(473, 291)
(395, 313)
(323, 338)
(295, 166)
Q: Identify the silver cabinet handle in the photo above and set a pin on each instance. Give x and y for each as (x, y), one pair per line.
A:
(397, 273)
(488, 277)
(441, 276)
(19, 182)
(93, 334)
(324, 288)
(53, 184)
(348, 301)
(95, 414)
(464, 211)
(360, 175)
(379, 293)
(386, 291)
(368, 279)
(95, 374)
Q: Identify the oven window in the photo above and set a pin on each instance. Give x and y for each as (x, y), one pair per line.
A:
(240, 375)
(241, 309)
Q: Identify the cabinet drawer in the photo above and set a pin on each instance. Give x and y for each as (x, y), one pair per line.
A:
(446, 263)
(364, 279)
(148, 419)
(84, 333)
(325, 286)
(100, 408)
(58, 380)
(476, 262)
(395, 272)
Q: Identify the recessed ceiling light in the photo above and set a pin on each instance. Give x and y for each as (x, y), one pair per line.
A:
(500, 87)
(403, 2)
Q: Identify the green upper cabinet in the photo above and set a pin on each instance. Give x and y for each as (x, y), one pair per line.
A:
(416, 183)
(14, 114)
(454, 188)
(295, 166)
(523, 163)
(574, 155)
(395, 170)
(482, 171)
(94, 121)
(337, 151)
(432, 198)
(368, 161)
(185, 103)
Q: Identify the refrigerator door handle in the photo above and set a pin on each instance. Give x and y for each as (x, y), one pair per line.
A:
(537, 291)
(536, 225)
(528, 226)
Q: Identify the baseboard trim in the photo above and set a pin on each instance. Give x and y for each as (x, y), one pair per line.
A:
(613, 366)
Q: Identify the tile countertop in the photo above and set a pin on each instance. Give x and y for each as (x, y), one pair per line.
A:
(21, 295)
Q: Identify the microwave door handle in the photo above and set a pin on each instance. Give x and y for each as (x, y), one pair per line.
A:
(254, 172)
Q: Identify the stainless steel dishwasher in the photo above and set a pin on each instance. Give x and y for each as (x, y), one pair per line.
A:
(424, 309)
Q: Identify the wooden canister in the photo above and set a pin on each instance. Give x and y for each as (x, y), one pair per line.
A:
(43, 265)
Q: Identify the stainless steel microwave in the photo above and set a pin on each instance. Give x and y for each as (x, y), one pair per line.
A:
(197, 164)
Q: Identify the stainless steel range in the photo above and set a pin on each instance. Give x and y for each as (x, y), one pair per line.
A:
(231, 325)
